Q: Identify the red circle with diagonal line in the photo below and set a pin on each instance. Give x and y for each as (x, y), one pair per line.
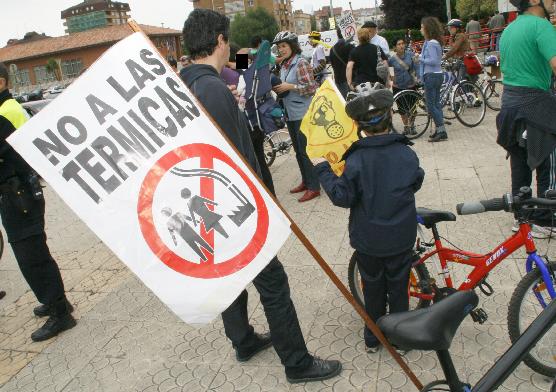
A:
(157, 245)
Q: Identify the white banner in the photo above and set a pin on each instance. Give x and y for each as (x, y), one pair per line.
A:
(130, 150)
(505, 6)
(329, 38)
(347, 25)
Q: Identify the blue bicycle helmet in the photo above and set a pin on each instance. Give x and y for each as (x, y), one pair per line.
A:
(491, 60)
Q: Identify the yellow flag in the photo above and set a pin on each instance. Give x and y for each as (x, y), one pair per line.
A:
(328, 128)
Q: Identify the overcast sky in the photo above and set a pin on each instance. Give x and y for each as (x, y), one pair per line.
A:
(43, 16)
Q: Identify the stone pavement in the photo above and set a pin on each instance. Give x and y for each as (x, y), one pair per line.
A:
(126, 340)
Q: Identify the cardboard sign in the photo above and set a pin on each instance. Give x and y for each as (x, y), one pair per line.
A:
(347, 25)
(130, 150)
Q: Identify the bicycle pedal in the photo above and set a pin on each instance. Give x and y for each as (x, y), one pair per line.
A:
(479, 315)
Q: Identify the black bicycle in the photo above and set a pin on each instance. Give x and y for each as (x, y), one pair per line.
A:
(433, 328)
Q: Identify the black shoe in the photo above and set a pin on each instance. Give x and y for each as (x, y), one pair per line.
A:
(44, 310)
(319, 370)
(439, 137)
(53, 326)
(259, 343)
(2, 294)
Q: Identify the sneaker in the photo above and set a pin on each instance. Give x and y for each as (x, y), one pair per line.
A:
(540, 232)
(439, 137)
(373, 349)
(53, 326)
(2, 294)
(258, 344)
(515, 227)
(44, 310)
(319, 370)
(412, 130)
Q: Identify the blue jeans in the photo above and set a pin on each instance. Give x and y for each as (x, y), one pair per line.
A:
(299, 141)
(433, 82)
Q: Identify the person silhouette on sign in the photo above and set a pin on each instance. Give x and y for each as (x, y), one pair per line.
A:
(178, 223)
(198, 205)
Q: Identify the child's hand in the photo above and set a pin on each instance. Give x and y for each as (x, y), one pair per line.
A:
(316, 161)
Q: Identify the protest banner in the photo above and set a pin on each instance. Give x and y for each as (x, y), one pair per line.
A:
(130, 150)
(346, 23)
(328, 39)
(328, 128)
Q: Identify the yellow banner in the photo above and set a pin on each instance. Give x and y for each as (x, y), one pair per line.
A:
(328, 128)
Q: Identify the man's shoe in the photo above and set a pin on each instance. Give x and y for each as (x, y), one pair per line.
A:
(309, 195)
(259, 343)
(300, 188)
(372, 349)
(540, 232)
(2, 294)
(44, 310)
(319, 370)
(439, 137)
(53, 326)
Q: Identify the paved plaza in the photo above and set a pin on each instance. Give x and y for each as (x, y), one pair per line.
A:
(127, 340)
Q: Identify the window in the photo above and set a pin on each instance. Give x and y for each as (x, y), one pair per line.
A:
(250, 3)
(20, 78)
(71, 68)
(42, 75)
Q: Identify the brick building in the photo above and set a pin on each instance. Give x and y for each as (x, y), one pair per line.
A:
(301, 22)
(280, 9)
(28, 61)
(91, 14)
(323, 14)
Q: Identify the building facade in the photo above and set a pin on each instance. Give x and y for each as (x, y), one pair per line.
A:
(363, 15)
(48, 61)
(91, 14)
(301, 22)
(280, 9)
(323, 15)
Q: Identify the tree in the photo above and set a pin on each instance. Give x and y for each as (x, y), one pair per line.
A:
(480, 8)
(324, 24)
(53, 67)
(402, 14)
(255, 22)
(313, 23)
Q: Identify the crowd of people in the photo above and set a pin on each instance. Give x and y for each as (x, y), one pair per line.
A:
(383, 224)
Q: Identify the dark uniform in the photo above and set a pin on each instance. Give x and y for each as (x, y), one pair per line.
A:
(22, 214)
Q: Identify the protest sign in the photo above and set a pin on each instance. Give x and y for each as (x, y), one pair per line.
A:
(328, 128)
(328, 39)
(346, 23)
(131, 151)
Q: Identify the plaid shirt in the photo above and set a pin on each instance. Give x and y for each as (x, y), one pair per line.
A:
(305, 80)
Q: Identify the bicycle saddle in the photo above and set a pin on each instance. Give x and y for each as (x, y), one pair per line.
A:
(430, 217)
(431, 328)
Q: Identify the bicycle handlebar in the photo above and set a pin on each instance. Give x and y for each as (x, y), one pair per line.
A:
(507, 203)
(477, 207)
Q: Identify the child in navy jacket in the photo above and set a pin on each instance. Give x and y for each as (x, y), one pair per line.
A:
(378, 184)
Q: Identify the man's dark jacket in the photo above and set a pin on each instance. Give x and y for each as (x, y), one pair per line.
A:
(22, 215)
(379, 183)
(219, 102)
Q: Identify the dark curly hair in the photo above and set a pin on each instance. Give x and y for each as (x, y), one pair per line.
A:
(433, 29)
(201, 30)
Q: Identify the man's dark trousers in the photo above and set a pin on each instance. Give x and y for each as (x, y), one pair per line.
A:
(385, 281)
(287, 338)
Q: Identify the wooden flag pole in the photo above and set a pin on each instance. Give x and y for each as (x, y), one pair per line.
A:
(316, 255)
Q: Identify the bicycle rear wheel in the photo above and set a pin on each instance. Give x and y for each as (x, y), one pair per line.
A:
(418, 283)
(468, 103)
(269, 151)
(524, 307)
(410, 110)
(493, 94)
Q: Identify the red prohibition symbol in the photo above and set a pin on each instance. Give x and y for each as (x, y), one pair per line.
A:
(208, 270)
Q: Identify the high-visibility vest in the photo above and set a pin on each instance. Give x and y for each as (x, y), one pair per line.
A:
(14, 113)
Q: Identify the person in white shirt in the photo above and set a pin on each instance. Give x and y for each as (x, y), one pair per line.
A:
(375, 38)
(318, 59)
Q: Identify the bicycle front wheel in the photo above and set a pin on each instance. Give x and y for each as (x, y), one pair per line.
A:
(269, 151)
(523, 309)
(410, 115)
(468, 103)
(418, 284)
(493, 94)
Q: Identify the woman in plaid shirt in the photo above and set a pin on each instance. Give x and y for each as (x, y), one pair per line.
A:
(299, 84)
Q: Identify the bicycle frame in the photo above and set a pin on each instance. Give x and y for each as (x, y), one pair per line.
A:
(485, 263)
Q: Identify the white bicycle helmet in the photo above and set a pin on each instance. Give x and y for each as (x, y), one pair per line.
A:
(285, 36)
(455, 23)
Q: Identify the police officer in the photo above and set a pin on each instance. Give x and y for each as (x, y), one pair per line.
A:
(22, 212)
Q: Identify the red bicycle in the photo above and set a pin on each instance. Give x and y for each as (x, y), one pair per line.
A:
(532, 294)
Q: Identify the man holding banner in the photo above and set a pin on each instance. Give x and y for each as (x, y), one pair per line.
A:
(206, 35)
(22, 211)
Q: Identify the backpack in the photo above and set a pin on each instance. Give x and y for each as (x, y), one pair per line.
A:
(472, 64)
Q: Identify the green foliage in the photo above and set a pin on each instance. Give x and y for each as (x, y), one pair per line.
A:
(400, 14)
(53, 67)
(325, 25)
(313, 23)
(480, 8)
(393, 35)
(255, 22)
